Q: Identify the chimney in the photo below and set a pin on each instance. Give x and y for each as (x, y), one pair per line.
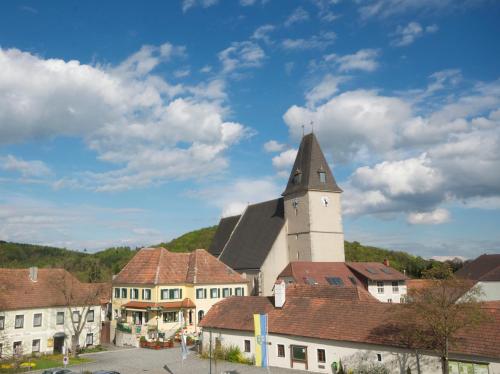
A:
(386, 262)
(279, 293)
(33, 273)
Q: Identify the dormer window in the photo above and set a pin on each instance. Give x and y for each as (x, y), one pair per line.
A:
(297, 177)
(322, 176)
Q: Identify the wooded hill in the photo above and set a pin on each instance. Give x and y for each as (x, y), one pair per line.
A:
(100, 266)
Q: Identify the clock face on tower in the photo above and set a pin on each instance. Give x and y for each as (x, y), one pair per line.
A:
(324, 201)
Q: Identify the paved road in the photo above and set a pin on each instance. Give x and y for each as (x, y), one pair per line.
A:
(168, 361)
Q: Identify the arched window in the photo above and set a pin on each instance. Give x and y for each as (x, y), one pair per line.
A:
(201, 314)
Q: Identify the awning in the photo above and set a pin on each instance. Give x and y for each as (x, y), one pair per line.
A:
(183, 304)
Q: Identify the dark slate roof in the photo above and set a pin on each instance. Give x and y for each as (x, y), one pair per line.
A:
(485, 268)
(254, 235)
(224, 230)
(308, 163)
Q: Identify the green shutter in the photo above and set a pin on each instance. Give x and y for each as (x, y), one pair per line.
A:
(180, 293)
(218, 292)
(204, 293)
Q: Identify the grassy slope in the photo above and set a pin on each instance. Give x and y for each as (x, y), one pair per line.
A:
(102, 265)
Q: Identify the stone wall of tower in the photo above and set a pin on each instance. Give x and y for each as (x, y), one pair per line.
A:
(298, 227)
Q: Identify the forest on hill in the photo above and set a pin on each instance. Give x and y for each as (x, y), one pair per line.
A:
(100, 266)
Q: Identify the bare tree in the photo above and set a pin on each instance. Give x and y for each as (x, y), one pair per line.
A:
(435, 315)
(79, 298)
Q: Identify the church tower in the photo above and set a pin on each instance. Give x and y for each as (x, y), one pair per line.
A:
(312, 207)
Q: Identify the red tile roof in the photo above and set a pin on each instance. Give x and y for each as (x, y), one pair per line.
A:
(53, 287)
(483, 268)
(327, 291)
(329, 319)
(305, 272)
(186, 303)
(376, 271)
(418, 284)
(160, 266)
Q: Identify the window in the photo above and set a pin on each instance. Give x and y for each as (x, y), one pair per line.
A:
(134, 293)
(124, 293)
(17, 348)
(2, 322)
(239, 291)
(322, 177)
(170, 317)
(164, 294)
(226, 292)
(175, 293)
(90, 316)
(297, 177)
(395, 287)
(389, 301)
(1, 349)
(299, 353)
(214, 293)
(117, 293)
(247, 345)
(35, 345)
(60, 318)
(19, 322)
(334, 281)
(321, 356)
(380, 287)
(37, 319)
(281, 350)
(76, 316)
(201, 293)
(89, 340)
(379, 357)
(201, 314)
(146, 294)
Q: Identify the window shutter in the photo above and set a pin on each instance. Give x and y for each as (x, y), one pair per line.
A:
(204, 293)
(180, 293)
(218, 292)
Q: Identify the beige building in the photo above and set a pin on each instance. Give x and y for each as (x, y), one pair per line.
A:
(305, 224)
(160, 291)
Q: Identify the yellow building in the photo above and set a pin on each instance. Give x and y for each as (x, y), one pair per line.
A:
(158, 292)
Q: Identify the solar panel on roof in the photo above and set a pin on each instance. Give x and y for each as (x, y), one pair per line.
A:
(310, 281)
(371, 270)
(334, 281)
(386, 270)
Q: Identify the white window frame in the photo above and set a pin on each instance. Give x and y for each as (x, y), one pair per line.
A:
(117, 293)
(134, 294)
(19, 317)
(33, 345)
(239, 291)
(201, 293)
(395, 287)
(170, 320)
(227, 292)
(34, 319)
(324, 355)
(90, 313)
(57, 318)
(124, 293)
(75, 313)
(146, 294)
(91, 336)
(380, 287)
(216, 291)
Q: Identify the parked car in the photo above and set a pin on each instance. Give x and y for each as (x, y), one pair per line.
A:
(105, 372)
(58, 371)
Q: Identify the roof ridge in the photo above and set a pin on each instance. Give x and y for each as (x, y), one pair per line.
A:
(232, 232)
(489, 272)
(157, 275)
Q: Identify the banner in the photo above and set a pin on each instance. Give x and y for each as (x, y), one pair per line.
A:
(260, 326)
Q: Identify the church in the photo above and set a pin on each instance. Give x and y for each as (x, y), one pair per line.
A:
(305, 224)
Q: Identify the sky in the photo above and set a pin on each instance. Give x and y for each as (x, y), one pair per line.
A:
(129, 123)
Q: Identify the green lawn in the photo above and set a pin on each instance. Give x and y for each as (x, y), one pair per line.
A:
(43, 362)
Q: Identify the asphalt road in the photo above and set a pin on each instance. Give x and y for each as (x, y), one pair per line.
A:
(167, 361)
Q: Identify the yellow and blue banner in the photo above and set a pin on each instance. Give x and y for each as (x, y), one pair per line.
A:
(260, 326)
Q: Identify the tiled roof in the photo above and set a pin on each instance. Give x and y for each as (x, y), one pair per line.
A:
(485, 268)
(329, 292)
(160, 266)
(375, 271)
(329, 319)
(53, 287)
(307, 272)
(186, 303)
(418, 284)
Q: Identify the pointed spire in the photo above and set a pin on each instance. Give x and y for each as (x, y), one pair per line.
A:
(310, 170)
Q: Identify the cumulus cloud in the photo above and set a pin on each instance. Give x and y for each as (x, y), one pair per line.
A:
(297, 16)
(273, 146)
(188, 4)
(241, 55)
(324, 90)
(32, 168)
(435, 217)
(262, 33)
(283, 162)
(406, 35)
(319, 41)
(129, 116)
(364, 59)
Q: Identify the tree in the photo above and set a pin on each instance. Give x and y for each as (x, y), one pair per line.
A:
(78, 298)
(435, 315)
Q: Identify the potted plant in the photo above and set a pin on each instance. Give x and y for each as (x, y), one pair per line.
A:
(143, 342)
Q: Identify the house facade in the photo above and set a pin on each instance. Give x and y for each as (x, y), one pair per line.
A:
(36, 316)
(305, 224)
(159, 291)
(318, 333)
(484, 271)
(383, 282)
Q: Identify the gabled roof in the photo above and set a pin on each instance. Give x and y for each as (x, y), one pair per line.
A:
(330, 319)
(310, 161)
(307, 272)
(224, 230)
(52, 288)
(254, 235)
(375, 271)
(160, 266)
(484, 268)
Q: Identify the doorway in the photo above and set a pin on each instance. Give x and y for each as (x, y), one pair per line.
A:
(58, 343)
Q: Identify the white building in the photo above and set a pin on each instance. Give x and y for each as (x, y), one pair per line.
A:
(484, 271)
(317, 333)
(38, 316)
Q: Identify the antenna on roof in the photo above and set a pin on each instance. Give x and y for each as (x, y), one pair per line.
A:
(312, 127)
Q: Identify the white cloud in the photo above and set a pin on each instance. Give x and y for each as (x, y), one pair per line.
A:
(188, 4)
(126, 114)
(364, 59)
(247, 2)
(241, 55)
(262, 33)
(435, 217)
(320, 41)
(283, 163)
(406, 35)
(273, 146)
(33, 168)
(297, 16)
(182, 73)
(233, 198)
(324, 90)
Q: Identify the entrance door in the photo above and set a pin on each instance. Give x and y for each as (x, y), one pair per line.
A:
(58, 344)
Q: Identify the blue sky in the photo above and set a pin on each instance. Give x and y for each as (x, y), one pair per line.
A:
(129, 124)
